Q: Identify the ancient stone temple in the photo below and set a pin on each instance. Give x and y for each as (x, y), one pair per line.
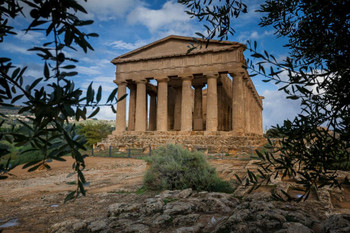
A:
(201, 99)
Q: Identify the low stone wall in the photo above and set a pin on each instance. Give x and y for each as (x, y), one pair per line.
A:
(213, 142)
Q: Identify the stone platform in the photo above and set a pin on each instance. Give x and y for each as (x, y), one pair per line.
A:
(212, 142)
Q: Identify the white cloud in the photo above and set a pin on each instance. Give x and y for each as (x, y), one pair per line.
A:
(122, 45)
(108, 9)
(106, 113)
(105, 81)
(30, 36)
(97, 69)
(171, 17)
(277, 108)
(92, 70)
(12, 48)
(254, 35)
(249, 17)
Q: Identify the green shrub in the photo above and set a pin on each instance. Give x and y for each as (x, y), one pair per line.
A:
(94, 131)
(17, 157)
(173, 167)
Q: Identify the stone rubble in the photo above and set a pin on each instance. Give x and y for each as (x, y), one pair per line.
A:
(190, 211)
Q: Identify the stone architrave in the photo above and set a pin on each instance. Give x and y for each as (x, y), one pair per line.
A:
(121, 108)
(141, 110)
(186, 106)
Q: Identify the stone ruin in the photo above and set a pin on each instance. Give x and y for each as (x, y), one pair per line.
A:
(204, 99)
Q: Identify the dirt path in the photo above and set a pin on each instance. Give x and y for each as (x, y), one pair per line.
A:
(34, 201)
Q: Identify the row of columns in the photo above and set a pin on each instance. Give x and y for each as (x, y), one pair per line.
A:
(245, 116)
(159, 106)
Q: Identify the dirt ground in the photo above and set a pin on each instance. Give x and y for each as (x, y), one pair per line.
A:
(34, 201)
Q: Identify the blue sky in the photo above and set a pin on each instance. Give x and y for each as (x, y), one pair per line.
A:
(124, 25)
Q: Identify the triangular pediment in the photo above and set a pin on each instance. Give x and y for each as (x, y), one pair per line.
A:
(172, 46)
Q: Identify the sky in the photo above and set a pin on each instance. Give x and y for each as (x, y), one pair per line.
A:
(125, 25)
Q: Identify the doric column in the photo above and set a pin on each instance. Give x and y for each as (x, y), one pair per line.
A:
(261, 130)
(220, 108)
(121, 108)
(237, 101)
(256, 112)
(171, 107)
(153, 112)
(197, 115)
(140, 121)
(177, 108)
(132, 107)
(162, 106)
(146, 118)
(186, 104)
(248, 93)
(212, 102)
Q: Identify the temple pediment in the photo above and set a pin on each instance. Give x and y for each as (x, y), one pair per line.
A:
(174, 46)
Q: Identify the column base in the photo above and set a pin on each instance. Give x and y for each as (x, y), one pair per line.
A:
(115, 132)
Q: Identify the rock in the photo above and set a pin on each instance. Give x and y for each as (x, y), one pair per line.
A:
(97, 226)
(339, 223)
(240, 228)
(178, 207)
(169, 193)
(294, 227)
(189, 211)
(137, 228)
(185, 193)
(258, 196)
(152, 206)
(240, 216)
(325, 197)
(241, 190)
(300, 216)
(64, 227)
(118, 208)
(186, 220)
(79, 226)
(270, 219)
(188, 229)
(281, 189)
(161, 220)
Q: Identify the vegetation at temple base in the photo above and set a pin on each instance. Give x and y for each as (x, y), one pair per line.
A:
(173, 167)
(49, 105)
(94, 131)
(316, 143)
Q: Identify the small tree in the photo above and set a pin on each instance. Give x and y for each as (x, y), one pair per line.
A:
(94, 131)
(50, 106)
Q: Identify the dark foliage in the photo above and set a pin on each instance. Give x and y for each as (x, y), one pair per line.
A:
(51, 106)
(317, 142)
(217, 17)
